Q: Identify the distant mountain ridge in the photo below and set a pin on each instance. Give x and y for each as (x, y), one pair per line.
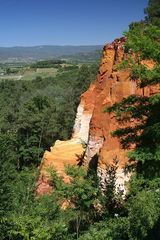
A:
(44, 52)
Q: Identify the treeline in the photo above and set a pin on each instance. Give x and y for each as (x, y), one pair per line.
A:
(48, 63)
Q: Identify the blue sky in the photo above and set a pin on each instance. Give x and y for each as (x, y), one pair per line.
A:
(66, 22)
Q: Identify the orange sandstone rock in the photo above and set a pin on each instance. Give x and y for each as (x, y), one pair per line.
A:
(93, 126)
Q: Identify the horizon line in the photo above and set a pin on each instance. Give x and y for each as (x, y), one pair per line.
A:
(53, 45)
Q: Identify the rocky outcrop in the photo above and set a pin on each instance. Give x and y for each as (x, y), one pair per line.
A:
(68, 152)
(92, 139)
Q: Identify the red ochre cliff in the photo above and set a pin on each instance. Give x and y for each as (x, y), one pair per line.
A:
(92, 137)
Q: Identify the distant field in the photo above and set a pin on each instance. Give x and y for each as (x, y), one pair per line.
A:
(27, 70)
(43, 69)
(30, 74)
(40, 72)
(11, 77)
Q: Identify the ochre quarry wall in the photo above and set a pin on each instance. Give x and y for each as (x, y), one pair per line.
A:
(92, 139)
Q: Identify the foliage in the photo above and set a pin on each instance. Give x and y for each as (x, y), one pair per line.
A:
(37, 120)
(140, 114)
(48, 63)
(153, 12)
(42, 217)
(82, 195)
(33, 115)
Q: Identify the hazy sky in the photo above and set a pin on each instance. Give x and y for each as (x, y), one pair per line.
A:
(66, 22)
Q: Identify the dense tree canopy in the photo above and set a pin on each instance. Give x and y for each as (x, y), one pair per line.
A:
(153, 12)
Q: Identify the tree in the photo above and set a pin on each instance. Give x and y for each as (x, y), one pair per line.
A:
(142, 43)
(83, 196)
(153, 12)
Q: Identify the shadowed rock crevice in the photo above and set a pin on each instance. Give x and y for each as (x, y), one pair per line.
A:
(93, 163)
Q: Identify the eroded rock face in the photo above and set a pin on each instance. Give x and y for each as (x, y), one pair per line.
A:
(93, 126)
(68, 152)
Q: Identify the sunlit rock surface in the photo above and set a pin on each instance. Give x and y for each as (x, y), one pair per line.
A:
(92, 142)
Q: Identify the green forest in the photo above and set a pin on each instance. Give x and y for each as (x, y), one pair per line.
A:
(35, 113)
